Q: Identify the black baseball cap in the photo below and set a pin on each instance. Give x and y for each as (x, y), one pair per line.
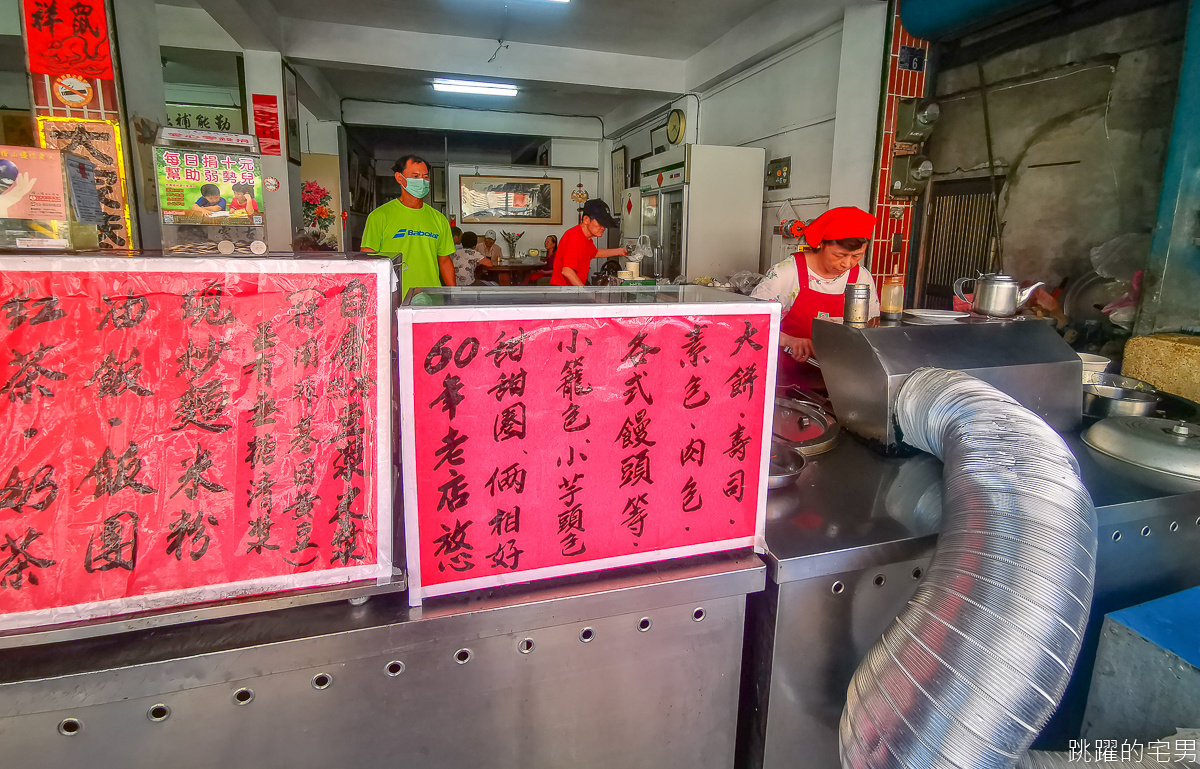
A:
(597, 210)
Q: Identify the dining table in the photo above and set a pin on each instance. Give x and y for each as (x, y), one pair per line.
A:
(515, 273)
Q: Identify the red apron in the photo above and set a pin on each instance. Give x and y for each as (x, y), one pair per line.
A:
(808, 306)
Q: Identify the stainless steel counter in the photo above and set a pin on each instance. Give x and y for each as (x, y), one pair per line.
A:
(636, 667)
(849, 543)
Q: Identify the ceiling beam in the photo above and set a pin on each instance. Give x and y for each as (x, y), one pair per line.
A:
(317, 93)
(180, 27)
(772, 29)
(478, 121)
(401, 49)
(254, 24)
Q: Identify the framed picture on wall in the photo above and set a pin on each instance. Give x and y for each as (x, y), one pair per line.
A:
(510, 200)
(620, 179)
(291, 110)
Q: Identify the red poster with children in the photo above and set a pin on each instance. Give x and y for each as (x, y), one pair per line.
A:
(188, 430)
(538, 446)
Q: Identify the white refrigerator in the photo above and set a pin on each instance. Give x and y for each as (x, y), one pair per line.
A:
(701, 205)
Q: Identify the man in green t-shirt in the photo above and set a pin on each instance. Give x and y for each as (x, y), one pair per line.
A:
(417, 232)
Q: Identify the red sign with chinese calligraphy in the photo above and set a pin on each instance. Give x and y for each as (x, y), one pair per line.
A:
(69, 58)
(67, 37)
(266, 123)
(199, 429)
(547, 446)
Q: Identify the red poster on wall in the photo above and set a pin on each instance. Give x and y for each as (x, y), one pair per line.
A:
(266, 123)
(69, 59)
(67, 37)
(541, 446)
(188, 430)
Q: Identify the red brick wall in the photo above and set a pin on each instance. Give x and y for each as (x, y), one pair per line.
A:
(900, 84)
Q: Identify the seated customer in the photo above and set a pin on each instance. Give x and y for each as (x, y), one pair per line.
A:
(489, 247)
(542, 276)
(466, 259)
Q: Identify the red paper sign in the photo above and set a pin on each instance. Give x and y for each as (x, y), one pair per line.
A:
(266, 123)
(170, 432)
(553, 446)
(67, 38)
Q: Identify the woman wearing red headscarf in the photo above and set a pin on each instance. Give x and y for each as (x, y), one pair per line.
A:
(811, 284)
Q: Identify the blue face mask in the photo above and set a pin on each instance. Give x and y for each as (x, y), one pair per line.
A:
(418, 188)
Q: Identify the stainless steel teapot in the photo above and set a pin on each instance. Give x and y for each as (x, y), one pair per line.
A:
(995, 295)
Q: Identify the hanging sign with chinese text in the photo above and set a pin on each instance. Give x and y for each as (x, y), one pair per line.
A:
(69, 58)
(266, 122)
(183, 430)
(538, 446)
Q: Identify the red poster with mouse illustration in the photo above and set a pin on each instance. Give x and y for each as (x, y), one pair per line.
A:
(68, 37)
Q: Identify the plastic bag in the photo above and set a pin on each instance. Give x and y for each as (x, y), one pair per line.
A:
(642, 250)
(1122, 256)
(745, 281)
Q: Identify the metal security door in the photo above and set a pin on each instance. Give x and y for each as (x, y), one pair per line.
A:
(961, 239)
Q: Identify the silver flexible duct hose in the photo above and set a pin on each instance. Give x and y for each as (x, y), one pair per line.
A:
(975, 665)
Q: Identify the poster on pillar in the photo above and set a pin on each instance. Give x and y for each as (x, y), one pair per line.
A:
(184, 430)
(266, 123)
(98, 141)
(537, 446)
(69, 58)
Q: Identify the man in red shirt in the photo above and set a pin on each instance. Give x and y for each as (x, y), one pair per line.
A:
(573, 260)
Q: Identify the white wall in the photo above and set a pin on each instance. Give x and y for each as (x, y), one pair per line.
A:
(207, 95)
(858, 100)
(10, 17)
(574, 153)
(317, 137)
(535, 234)
(816, 102)
(786, 105)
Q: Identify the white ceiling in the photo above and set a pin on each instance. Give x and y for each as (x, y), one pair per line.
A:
(672, 29)
(414, 87)
(614, 59)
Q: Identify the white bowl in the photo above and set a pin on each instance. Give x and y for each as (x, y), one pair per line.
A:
(1096, 363)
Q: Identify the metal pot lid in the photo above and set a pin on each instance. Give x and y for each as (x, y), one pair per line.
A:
(1163, 445)
(804, 426)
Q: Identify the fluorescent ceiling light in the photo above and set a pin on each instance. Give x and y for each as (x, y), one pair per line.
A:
(475, 86)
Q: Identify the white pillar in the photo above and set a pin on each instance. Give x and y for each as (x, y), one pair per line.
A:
(859, 96)
(264, 75)
(136, 44)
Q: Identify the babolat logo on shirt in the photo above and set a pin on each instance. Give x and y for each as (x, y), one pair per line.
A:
(415, 233)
